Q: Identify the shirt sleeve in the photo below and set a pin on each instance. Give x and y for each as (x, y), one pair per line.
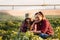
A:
(45, 26)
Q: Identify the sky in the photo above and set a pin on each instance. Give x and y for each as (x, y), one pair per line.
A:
(28, 2)
(27, 9)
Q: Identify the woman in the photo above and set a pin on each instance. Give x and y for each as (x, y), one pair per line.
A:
(26, 25)
(42, 26)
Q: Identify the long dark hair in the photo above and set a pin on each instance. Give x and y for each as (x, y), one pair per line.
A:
(26, 25)
(40, 13)
(27, 19)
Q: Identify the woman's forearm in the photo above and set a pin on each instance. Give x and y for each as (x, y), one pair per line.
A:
(32, 26)
(36, 31)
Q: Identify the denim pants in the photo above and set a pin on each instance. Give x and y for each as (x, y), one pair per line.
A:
(44, 36)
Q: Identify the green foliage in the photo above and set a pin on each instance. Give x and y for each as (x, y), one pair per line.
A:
(9, 28)
(28, 36)
(57, 32)
(31, 36)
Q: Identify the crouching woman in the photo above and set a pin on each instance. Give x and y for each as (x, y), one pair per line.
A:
(42, 26)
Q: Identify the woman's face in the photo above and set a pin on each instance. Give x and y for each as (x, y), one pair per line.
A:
(27, 20)
(39, 17)
(36, 18)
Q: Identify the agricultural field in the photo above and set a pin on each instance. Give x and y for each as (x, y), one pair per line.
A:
(9, 28)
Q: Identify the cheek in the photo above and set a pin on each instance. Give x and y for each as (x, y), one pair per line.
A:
(27, 20)
(40, 18)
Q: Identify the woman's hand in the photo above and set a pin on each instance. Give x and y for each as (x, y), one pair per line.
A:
(36, 31)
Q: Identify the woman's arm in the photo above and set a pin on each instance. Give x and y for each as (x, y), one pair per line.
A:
(32, 27)
(35, 29)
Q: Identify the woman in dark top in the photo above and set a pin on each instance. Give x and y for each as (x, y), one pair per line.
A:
(26, 25)
(42, 26)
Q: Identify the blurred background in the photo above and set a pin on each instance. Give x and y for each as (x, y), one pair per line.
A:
(13, 13)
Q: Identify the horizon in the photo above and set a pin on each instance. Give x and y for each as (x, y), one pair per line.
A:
(31, 12)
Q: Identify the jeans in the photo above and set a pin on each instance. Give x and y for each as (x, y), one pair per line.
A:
(44, 36)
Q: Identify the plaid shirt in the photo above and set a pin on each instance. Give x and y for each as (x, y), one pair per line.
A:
(45, 27)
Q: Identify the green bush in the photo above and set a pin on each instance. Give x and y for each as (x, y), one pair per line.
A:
(9, 30)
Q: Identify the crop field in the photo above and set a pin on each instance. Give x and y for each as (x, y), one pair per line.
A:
(9, 28)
